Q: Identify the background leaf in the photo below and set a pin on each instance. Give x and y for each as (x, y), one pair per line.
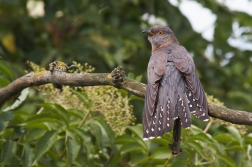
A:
(58, 110)
(44, 144)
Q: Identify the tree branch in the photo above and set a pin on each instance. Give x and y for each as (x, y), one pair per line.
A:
(117, 79)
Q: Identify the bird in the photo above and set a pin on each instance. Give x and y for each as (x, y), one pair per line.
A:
(174, 89)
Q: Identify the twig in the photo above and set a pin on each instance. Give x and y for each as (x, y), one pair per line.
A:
(109, 160)
(168, 160)
(207, 127)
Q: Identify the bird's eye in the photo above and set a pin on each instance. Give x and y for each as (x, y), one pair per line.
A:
(160, 33)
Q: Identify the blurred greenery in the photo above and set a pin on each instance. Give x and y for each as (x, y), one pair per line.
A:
(106, 34)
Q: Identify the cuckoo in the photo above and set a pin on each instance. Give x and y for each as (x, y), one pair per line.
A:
(174, 90)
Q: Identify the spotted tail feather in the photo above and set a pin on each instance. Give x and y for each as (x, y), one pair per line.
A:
(195, 108)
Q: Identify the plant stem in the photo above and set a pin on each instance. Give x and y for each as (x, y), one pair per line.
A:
(40, 110)
(109, 160)
(207, 127)
(84, 119)
(166, 163)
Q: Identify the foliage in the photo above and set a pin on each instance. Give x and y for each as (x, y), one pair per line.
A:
(79, 128)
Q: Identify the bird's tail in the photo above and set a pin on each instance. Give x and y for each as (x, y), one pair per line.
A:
(164, 116)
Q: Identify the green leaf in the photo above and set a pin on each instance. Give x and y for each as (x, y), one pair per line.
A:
(134, 97)
(224, 137)
(234, 148)
(5, 69)
(4, 117)
(98, 134)
(197, 147)
(248, 139)
(137, 130)
(116, 158)
(58, 110)
(124, 139)
(227, 160)
(42, 118)
(234, 133)
(234, 145)
(195, 130)
(188, 152)
(201, 137)
(181, 162)
(34, 134)
(7, 151)
(218, 147)
(165, 141)
(105, 135)
(107, 132)
(83, 97)
(131, 75)
(27, 157)
(40, 125)
(87, 143)
(82, 134)
(72, 147)
(161, 153)
(21, 99)
(45, 143)
(130, 147)
(2, 125)
(76, 113)
(139, 78)
(137, 158)
(3, 82)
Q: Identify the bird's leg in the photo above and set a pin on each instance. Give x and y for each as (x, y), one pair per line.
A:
(175, 146)
(118, 75)
(61, 67)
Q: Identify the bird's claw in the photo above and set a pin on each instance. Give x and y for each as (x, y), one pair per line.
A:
(59, 66)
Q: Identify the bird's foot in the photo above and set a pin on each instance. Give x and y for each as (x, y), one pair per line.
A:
(59, 66)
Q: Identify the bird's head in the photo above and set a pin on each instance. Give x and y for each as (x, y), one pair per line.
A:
(160, 36)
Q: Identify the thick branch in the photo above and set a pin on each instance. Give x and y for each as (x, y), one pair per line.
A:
(230, 115)
(94, 79)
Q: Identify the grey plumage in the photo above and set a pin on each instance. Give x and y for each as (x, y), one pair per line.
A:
(173, 89)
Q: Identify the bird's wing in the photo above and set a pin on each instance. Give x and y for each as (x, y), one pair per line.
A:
(195, 94)
(156, 69)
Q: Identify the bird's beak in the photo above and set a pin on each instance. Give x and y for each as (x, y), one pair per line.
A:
(147, 32)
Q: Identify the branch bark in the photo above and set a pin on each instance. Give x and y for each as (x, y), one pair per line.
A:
(117, 79)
